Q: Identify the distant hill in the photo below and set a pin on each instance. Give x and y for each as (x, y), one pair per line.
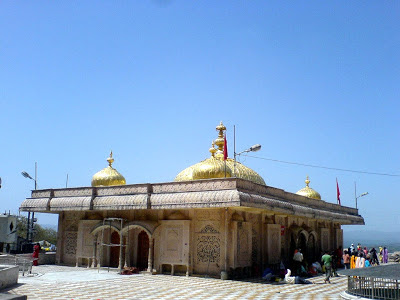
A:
(373, 238)
(50, 226)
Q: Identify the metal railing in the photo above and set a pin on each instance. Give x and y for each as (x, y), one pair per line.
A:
(373, 288)
(25, 265)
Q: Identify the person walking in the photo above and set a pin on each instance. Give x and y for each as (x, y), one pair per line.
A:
(346, 259)
(385, 255)
(327, 262)
(35, 255)
(297, 260)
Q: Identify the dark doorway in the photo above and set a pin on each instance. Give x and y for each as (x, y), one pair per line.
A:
(114, 251)
(143, 250)
(303, 245)
(311, 249)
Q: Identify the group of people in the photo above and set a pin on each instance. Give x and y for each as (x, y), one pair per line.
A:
(351, 258)
(362, 258)
(330, 262)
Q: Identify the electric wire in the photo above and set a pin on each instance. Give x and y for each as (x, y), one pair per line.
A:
(322, 167)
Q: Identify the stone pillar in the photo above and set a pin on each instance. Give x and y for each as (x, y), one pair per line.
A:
(150, 258)
(60, 239)
(126, 251)
(226, 238)
(100, 251)
(121, 242)
(94, 252)
(262, 240)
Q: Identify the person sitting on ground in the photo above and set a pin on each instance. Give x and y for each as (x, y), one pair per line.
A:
(295, 279)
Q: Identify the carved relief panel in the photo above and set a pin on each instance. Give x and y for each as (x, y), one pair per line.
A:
(174, 242)
(85, 240)
(70, 224)
(325, 239)
(273, 243)
(242, 243)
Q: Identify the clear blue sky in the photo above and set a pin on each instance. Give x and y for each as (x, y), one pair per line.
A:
(314, 82)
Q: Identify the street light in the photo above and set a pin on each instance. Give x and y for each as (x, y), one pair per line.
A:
(359, 196)
(29, 224)
(253, 148)
(362, 195)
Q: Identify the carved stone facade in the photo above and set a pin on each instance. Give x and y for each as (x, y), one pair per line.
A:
(202, 227)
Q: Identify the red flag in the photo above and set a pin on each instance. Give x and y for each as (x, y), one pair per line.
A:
(225, 148)
(337, 192)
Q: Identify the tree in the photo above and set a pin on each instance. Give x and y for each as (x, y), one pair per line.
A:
(40, 233)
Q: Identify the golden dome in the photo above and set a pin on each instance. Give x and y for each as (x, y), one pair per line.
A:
(108, 176)
(209, 168)
(214, 167)
(309, 192)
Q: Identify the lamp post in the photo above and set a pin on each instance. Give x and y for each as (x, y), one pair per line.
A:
(359, 196)
(30, 221)
(253, 148)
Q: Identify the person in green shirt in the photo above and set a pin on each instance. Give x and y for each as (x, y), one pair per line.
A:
(327, 261)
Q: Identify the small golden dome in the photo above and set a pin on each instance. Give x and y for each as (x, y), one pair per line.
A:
(214, 167)
(108, 176)
(309, 192)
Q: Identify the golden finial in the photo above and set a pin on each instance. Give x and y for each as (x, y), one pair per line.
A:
(212, 149)
(220, 140)
(110, 159)
(307, 181)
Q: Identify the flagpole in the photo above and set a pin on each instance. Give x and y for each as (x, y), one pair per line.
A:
(234, 150)
(225, 153)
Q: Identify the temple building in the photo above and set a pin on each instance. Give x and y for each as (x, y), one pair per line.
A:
(216, 216)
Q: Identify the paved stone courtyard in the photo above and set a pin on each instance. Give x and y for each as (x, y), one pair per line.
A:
(61, 282)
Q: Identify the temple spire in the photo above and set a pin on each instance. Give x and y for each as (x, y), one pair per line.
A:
(307, 181)
(212, 149)
(110, 159)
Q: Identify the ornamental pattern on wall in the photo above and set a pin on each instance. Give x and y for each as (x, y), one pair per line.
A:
(70, 242)
(208, 245)
(208, 249)
(209, 229)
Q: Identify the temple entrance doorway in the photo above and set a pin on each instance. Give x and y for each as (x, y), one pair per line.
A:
(142, 250)
(114, 251)
(303, 245)
(311, 249)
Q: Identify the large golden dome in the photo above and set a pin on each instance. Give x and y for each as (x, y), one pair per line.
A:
(214, 167)
(108, 176)
(309, 192)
